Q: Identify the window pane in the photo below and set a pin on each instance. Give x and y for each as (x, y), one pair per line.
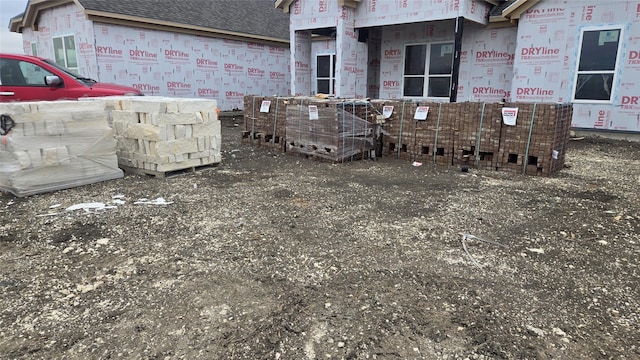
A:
(324, 65)
(415, 58)
(70, 47)
(58, 51)
(323, 87)
(34, 49)
(10, 74)
(594, 86)
(439, 86)
(33, 74)
(413, 86)
(441, 59)
(599, 50)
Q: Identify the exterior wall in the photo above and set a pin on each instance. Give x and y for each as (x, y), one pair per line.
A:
(547, 56)
(165, 63)
(486, 63)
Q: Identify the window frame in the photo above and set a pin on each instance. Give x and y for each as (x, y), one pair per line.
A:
(66, 52)
(427, 76)
(614, 72)
(332, 73)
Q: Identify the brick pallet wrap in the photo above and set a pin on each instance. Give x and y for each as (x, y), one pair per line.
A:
(158, 135)
(334, 133)
(56, 145)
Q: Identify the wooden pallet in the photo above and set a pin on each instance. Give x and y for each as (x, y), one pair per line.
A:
(166, 174)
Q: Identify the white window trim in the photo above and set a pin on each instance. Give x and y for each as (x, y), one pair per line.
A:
(332, 72)
(615, 71)
(426, 76)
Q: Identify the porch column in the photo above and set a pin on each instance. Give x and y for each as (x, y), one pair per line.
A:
(455, 71)
(300, 63)
(351, 58)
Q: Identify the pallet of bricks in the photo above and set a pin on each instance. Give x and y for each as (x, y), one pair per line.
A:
(265, 121)
(399, 128)
(477, 135)
(537, 143)
(435, 136)
(329, 130)
(53, 145)
(474, 134)
(162, 136)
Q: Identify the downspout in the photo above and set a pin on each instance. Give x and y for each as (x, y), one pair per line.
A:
(455, 71)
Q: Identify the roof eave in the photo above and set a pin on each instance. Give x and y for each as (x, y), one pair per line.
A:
(30, 15)
(285, 5)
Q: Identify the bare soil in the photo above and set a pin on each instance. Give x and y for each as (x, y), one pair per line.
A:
(272, 256)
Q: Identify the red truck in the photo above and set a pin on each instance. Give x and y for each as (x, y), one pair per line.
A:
(31, 78)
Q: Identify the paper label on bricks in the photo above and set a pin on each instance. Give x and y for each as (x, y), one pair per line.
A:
(387, 111)
(264, 107)
(313, 112)
(509, 116)
(421, 113)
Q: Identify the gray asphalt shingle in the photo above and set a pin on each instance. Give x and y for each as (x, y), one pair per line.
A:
(254, 17)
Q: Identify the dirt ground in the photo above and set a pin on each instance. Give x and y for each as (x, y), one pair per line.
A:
(271, 256)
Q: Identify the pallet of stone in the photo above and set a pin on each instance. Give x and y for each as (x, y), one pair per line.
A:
(322, 128)
(54, 145)
(436, 135)
(162, 135)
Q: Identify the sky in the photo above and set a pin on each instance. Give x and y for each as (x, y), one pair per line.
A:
(10, 42)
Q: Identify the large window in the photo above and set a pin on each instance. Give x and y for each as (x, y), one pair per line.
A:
(65, 52)
(427, 70)
(598, 59)
(326, 74)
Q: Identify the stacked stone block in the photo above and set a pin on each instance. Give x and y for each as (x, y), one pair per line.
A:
(55, 145)
(158, 135)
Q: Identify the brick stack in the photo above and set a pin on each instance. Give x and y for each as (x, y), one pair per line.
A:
(337, 135)
(56, 145)
(548, 125)
(266, 129)
(159, 135)
(472, 134)
(400, 127)
(477, 139)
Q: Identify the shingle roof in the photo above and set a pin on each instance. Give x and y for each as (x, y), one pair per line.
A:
(255, 17)
(249, 18)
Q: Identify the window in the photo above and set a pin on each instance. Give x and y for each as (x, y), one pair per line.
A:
(34, 49)
(22, 73)
(65, 52)
(33, 74)
(428, 67)
(597, 63)
(326, 74)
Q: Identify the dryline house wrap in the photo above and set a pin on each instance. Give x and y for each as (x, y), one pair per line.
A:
(583, 52)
